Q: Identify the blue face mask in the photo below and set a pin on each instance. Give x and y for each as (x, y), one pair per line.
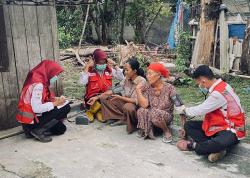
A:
(53, 79)
(100, 67)
(203, 90)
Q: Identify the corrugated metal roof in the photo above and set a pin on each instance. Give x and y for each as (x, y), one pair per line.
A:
(237, 6)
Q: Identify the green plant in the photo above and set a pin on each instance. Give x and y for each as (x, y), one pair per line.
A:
(64, 39)
(183, 50)
(70, 24)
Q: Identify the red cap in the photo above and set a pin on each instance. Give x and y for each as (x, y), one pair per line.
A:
(99, 55)
(158, 67)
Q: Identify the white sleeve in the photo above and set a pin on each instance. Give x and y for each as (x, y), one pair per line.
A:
(36, 100)
(84, 78)
(117, 73)
(213, 102)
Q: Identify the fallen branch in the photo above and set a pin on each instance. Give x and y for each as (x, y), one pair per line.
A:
(67, 57)
(78, 58)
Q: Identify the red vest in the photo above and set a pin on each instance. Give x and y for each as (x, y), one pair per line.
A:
(98, 84)
(25, 113)
(234, 120)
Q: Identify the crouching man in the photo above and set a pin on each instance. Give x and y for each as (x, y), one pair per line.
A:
(224, 122)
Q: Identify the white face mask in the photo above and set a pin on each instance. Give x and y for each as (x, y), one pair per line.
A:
(203, 90)
(53, 79)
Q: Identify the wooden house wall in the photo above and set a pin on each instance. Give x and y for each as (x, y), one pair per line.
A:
(31, 37)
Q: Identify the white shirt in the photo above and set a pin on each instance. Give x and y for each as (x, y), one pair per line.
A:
(214, 101)
(36, 100)
(116, 73)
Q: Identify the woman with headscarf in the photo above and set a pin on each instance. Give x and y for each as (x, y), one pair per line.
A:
(121, 108)
(156, 104)
(38, 108)
(97, 76)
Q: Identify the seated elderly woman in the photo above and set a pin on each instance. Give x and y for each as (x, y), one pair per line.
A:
(156, 99)
(122, 109)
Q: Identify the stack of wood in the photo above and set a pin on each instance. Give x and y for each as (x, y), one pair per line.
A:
(119, 53)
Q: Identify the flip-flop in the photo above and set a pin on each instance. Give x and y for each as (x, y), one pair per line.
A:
(167, 140)
(118, 123)
(140, 134)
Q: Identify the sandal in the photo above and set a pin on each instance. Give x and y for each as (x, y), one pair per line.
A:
(167, 140)
(118, 123)
(140, 134)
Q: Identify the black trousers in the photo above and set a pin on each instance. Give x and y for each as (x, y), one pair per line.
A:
(58, 114)
(205, 145)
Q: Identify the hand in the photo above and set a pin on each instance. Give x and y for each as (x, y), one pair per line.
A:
(113, 97)
(111, 62)
(89, 64)
(92, 100)
(139, 87)
(180, 109)
(183, 120)
(182, 133)
(59, 101)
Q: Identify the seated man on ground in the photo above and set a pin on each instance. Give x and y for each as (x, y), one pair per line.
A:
(224, 122)
(156, 103)
(122, 109)
(97, 76)
(38, 108)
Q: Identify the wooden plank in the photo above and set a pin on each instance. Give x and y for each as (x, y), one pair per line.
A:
(224, 57)
(3, 113)
(11, 132)
(59, 83)
(4, 61)
(44, 26)
(10, 79)
(55, 43)
(31, 30)
(19, 43)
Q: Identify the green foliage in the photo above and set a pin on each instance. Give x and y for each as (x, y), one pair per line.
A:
(64, 39)
(143, 60)
(184, 81)
(69, 25)
(183, 50)
(141, 12)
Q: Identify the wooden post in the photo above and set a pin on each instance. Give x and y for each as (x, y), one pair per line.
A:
(224, 59)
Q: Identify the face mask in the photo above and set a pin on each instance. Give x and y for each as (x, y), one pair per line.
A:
(53, 79)
(203, 90)
(101, 67)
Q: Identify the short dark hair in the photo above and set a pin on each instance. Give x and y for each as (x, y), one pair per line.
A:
(203, 71)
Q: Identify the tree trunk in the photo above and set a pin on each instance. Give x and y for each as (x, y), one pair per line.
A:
(140, 28)
(97, 25)
(245, 58)
(205, 40)
(152, 22)
(122, 5)
(103, 21)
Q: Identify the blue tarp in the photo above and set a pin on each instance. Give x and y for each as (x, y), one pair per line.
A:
(178, 23)
(237, 30)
